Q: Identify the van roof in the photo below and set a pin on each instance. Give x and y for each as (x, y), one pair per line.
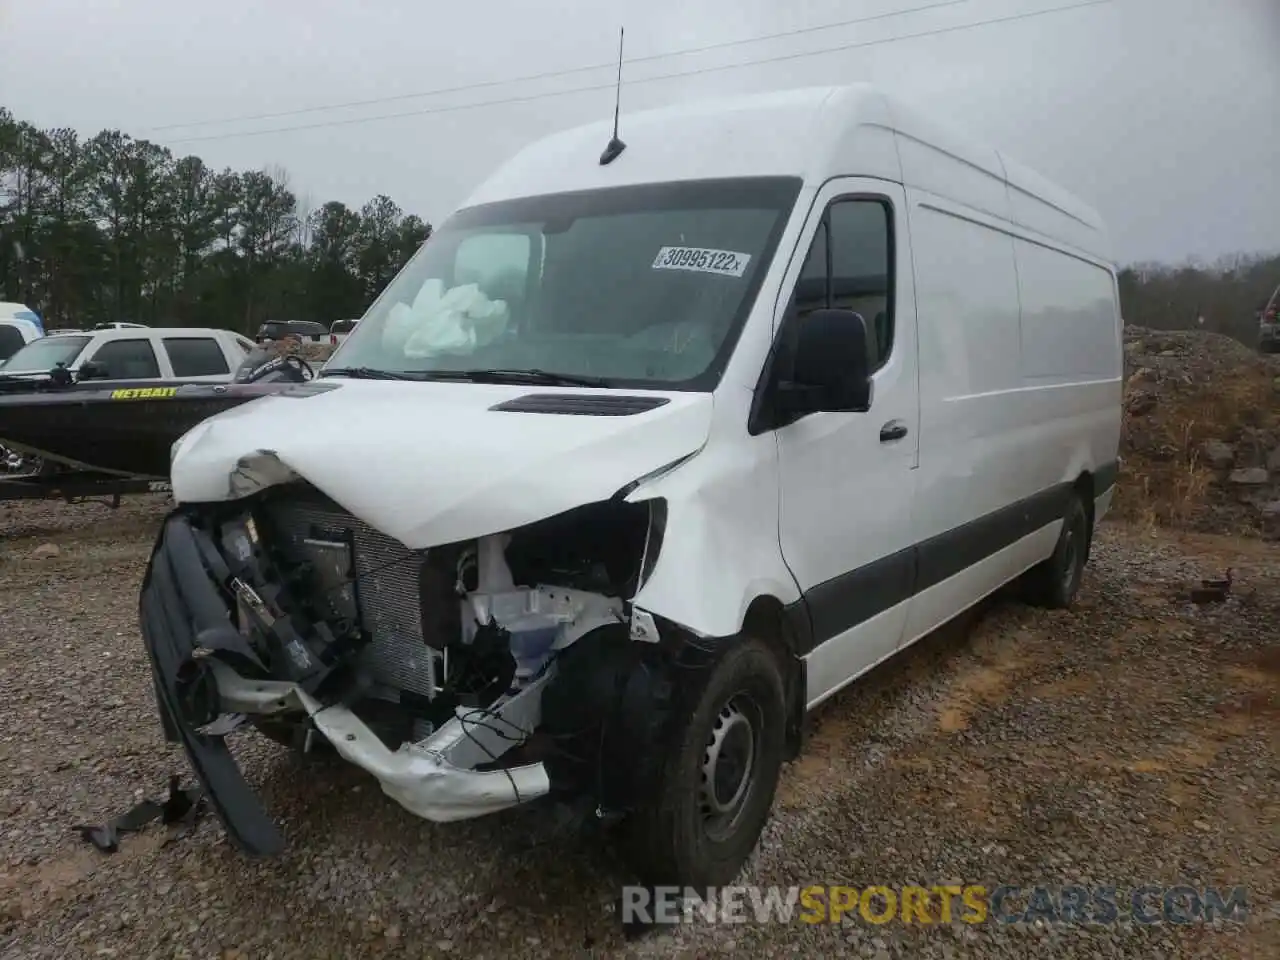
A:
(813, 133)
(18, 311)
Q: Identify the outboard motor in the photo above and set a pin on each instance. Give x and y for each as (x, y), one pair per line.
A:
(265, 365)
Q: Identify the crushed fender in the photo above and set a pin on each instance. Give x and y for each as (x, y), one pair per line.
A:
(181, 808)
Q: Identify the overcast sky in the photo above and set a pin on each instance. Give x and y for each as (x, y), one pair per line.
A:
(1164, 114)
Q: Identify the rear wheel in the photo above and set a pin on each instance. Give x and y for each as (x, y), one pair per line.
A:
(1054, 583)
(716, 787)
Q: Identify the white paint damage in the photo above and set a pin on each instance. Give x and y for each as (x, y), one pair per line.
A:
(736, 560)
(430, 463)
(436, 466)
(456, 470)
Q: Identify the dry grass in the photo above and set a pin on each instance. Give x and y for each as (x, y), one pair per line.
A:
(1211, 390)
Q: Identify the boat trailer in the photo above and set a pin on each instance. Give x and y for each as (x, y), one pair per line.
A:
(78, 486)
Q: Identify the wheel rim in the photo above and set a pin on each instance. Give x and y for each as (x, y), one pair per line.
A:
(729, 765)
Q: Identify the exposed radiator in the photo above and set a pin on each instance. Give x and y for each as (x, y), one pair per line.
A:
(387, 591)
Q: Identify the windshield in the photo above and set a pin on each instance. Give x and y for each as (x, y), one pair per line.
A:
(636, 286)
(41, 356)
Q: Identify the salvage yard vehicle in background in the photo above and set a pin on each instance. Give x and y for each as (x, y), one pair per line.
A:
(305, 330)
(19, 325)
(643, 456)
(14, 335)
(64, 435)
(60, 409)
(133, 353)
(339, 330)
(23, 313)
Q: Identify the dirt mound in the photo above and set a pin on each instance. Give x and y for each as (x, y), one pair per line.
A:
(1201, 443)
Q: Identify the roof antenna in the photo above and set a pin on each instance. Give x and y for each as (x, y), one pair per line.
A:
(615, 146)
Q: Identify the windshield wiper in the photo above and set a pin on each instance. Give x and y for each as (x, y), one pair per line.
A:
(368, 373)
(533, 376)
(494, 375)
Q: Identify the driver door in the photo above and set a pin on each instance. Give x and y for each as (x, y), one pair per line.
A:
(849, 479)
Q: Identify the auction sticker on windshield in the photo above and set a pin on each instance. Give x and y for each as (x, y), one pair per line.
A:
(702, 260)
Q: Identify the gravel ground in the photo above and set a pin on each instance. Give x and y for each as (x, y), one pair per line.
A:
(1131, 740)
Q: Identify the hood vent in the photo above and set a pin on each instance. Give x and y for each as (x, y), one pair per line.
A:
(582, 405)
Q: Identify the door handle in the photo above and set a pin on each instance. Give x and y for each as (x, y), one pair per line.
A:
(893, 430)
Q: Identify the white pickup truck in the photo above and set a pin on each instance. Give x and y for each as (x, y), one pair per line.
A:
(339, 330)
(134, 353)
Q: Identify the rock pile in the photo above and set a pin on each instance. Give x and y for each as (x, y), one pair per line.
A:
(1201, 443)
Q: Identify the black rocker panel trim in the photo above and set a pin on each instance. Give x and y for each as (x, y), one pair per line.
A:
(844, 602)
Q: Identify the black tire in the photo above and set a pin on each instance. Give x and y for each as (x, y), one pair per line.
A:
(678, 838)
(1054, 583)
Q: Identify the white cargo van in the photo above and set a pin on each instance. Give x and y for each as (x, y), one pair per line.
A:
(644, 455)
(19, 325)
(21, 313)
(14, 335)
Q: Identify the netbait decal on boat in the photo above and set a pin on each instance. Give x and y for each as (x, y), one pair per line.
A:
(144, 393)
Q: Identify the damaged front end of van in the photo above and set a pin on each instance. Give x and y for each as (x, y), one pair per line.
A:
(490, 554)
(463, 629)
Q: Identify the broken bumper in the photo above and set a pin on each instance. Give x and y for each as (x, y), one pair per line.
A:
(178, 609)
(421, 777)
(181, 612)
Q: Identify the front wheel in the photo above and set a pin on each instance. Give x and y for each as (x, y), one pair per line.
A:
(716, 787)
(1054, 583)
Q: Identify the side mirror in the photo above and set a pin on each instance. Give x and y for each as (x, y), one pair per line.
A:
(92, 370)
(832, 365)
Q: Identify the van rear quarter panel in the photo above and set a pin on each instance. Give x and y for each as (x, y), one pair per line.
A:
(975, 442)
(1019, 331)
(1071, 359)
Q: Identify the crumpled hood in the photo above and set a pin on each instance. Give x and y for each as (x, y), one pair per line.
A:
(431, 463)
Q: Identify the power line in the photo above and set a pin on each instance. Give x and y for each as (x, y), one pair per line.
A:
(666, 76)
(552, 74)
